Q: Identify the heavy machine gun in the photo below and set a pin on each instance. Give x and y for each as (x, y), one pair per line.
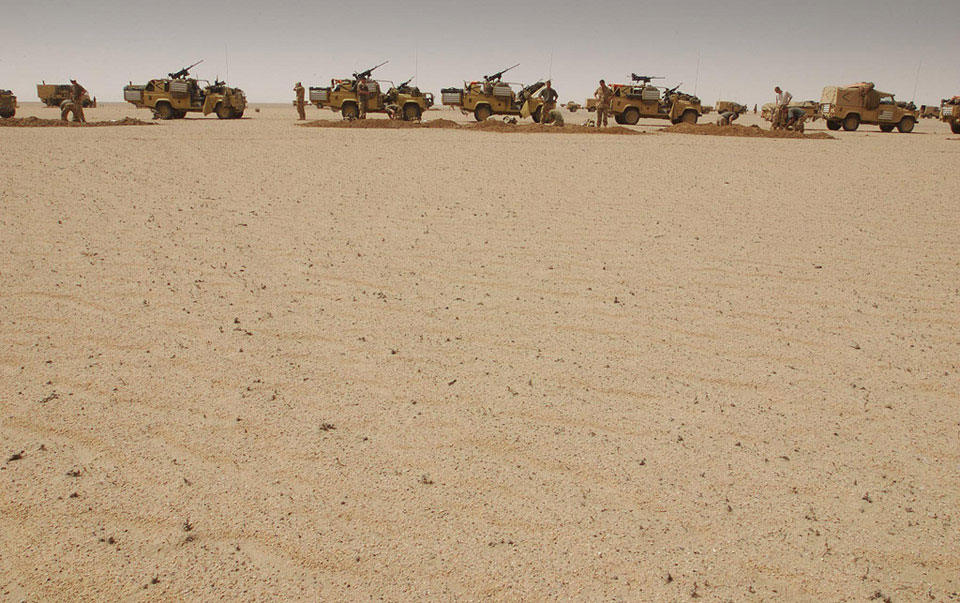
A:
(496, 76)
(646, 79)
(365, 74)
(527, 92)
(667, 93)
(183, 72)
(404, 84)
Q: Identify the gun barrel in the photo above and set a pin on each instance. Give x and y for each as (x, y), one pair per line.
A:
(499, 74)
(366, 73)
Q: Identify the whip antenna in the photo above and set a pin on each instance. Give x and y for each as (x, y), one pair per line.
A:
(917, 82)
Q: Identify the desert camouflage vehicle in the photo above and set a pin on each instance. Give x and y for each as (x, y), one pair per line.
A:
(950, 113)
(631, 102)
(811, 108)
(8, 104)
(929, 112)
(175, 96)
(493, 96)
(573, 107)
(706, 109)
(53, 95)
(861, 103)
(737, 108)
(341, 96)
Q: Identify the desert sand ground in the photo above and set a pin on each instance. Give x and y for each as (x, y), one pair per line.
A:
(252, 361)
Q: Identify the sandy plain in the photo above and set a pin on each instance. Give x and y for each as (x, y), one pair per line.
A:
(252, 361)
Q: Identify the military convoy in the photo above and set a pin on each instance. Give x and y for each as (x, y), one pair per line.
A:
(849, 106)
(174, 96)
(8, 104)
(640, 99)
(950, 113)
(53, 95)
(342, 96)
(493, 96)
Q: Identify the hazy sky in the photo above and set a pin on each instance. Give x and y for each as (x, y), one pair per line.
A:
(744, 46)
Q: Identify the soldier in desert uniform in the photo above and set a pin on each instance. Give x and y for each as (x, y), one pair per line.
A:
(76, 97)
(779, 116)
(727, 118)
(604, 96)
(363, 96)
(549, 96)
(298, 89)
(66, 108)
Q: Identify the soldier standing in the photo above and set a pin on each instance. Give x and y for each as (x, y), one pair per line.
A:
(298, 89)
(363, 95)
(604, 96)
(549, 96)
(780, 110)
(76, 95)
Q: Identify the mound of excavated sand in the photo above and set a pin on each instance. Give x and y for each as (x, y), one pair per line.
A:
(742, 132)
(36, 122)
(490, 125)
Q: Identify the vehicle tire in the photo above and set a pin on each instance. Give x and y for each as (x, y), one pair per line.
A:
(618, 118)
(537, 115)
(224, 111)
(237, 114)
(851, 122)
(630, 116)
(7, 113)
(955, 127)
(906, 125)
(411, 112)
(833, 125)
(350, 111)
(886, 127)
(482, 112)
(689, 117)
(165, 111)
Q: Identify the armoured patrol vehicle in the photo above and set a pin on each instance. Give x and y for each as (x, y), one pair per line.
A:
(342, 96)
(8, 104)
(640, 99)
(723, 106)
(950, 113)
(53, 95)
(174, 96)
(849, 106)
(929, 112)
(493, 96)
